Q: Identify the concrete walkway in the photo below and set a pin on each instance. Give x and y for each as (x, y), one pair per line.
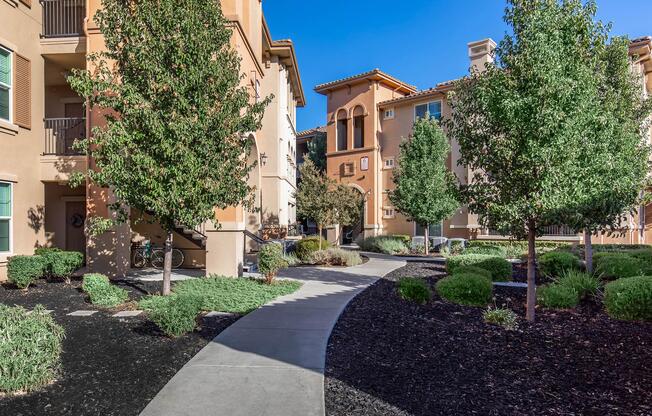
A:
(271, 362)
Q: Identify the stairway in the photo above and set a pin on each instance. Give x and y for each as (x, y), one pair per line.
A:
(194, 235)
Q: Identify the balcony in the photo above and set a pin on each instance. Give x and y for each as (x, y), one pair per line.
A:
(63, 18)
(60, 158)
(554, 232)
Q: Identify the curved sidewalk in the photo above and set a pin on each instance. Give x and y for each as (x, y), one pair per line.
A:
(271, 362)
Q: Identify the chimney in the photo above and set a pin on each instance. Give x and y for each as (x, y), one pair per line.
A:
(480, 53)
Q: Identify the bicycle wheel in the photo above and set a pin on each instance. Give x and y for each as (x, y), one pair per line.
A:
(158, 258)
(177, 258)
(139, 260)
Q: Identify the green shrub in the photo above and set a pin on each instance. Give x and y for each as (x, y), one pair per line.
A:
(101, 292)
(583, 283)
(309, 245)
(335, 257)
(176, 314)
(488, 250)
(502, 317)
(644, 254)
(629, 298)
(466, 289)
(500, 269)
(619, 266)
(62, 264)
(385, 244)
(24, 270)
(599, 256)
(30, 348)
(473, 270)
(42, 251)
(406, 239)
(517, 249)
(554, 263)
(414, 289)
(270, 260)
(557, 296)
(291, 259)
(227, 294)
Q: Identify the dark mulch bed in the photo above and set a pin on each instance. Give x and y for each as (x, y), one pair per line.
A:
(387, 356)
(110, 366)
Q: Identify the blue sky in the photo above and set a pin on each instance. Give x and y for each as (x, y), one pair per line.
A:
(421, 42)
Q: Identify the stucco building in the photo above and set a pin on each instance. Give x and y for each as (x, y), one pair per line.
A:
(369, 114)
(40, 117)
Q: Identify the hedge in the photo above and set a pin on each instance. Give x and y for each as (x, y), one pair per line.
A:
(629, 298)
(500, 269)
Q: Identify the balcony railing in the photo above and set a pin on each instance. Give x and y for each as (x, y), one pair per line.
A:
(61, 133)
(63, 18)
(550, 231)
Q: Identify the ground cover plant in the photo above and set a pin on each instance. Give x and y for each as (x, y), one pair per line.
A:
(465, 289)
(629, 298)
(101, 292)
(414, 289)
(500, 269)
(504, 317)
(335, 257)
(30, 348)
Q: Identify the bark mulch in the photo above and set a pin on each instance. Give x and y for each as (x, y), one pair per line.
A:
(110, 366)
(387, 356)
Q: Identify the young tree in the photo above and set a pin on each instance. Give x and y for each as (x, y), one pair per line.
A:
(317, 151)
(522, 124)
(324, 201)
(425, 188)
(174, 143)
(615, 151)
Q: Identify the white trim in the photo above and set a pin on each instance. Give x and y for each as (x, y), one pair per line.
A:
(392, 113)
(387, 159)
(389, 216)
(11, 220)
(9, 87)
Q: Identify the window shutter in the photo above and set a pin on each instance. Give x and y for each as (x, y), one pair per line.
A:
(27, 3)
(23, 92)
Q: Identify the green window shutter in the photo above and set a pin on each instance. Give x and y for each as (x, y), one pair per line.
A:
(4, 235)
(5, 200)
(5, 67)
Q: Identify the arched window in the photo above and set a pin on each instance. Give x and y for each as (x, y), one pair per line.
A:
(358, 127)
(342, 129)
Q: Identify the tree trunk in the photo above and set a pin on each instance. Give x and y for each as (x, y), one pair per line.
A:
(320, 237)
(426, 243)
(588, 251)
(531, 273)
(167, 264)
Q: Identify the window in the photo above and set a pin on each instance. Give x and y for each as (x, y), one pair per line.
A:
(389, 114)
(434, 230)
(364, 163)
(5, 217)
(389, 212)
(257, 90)
(389, 163)
(358, 128)
(431, 109)
(342, 130)
(5, 84)
(348, 169)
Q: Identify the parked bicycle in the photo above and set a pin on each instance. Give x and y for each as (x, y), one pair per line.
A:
(155, 256)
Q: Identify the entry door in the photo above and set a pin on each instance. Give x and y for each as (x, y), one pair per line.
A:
(75, 219)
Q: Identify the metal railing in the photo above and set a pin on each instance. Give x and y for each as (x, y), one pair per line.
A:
(63, 18)
(61, 133)
(550, 231)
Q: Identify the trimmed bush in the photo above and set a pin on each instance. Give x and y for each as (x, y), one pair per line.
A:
(101, 292)
(619, 266)
(488, 250)
(43, 251)
(414, 289)
(629, 298)
(176, 314)
(517, 249)
(62, 264)
(270, 261)
(308, 246)
(473, 270)
(30, 348)
(502, 317)
(335, 257)
(25, 270)
(466, 289)
(385, 244)
(583, 283)
(557, 296)
(554, 263)
(644, 255)
(500, 269)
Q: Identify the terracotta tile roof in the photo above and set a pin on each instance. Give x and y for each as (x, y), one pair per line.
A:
(642, 39)
(439, 89)
(310, 132)
(374, 72)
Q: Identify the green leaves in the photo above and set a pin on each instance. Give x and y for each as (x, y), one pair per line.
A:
(175, 139)
(425, 189)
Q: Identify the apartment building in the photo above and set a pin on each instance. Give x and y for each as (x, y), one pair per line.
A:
(369, 114)
(40, 117)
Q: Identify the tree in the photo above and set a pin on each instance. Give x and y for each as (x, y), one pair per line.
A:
(324, 201)
(317, 151)
(425, 188)
(522, 124)
(174, 142)
(615, 153)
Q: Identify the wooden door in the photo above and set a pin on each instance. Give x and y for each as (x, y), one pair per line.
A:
(75, 219)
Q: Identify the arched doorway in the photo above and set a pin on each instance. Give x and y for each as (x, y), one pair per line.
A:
(352, 233)
(252, 214)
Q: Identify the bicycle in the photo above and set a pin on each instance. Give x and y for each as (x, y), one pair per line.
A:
(155, 256)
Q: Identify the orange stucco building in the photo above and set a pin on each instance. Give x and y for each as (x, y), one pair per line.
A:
(40, 117)
(369, 114)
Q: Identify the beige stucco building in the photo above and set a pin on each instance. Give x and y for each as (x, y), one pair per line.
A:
(40, 117)
(369, 114)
